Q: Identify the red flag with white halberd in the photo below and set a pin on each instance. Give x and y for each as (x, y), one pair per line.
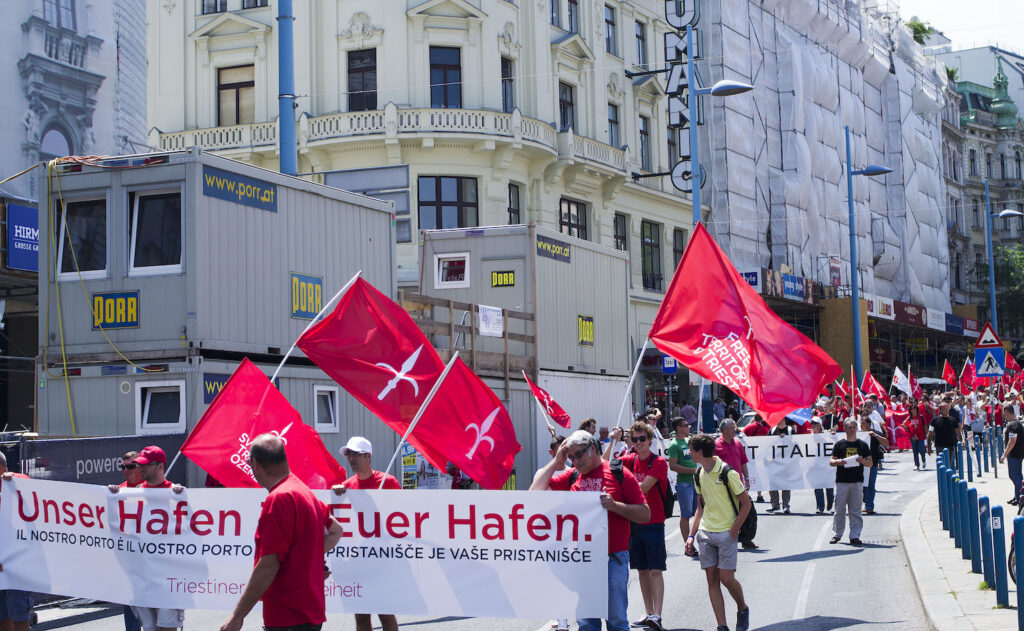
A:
(249, 405)
(915, 387)
(967, 378)
(949, 375)
(842, 389)
(717, 325)
(475, 429)
(550, 406)
(1011, 363)
(870, 386)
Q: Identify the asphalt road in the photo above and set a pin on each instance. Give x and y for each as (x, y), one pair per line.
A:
(796, 581)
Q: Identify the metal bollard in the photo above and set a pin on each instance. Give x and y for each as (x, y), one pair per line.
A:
(984, 449)
(943, 508)
(985, 521)
(954, 485)
(999, 548)
(965, 522)
(1018, 535)
(974, 530)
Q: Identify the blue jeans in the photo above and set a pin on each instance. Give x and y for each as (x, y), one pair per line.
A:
(131, 623)
(918, 447)
(819, 497)
(687, 496)
(869, 490)
(618, 596)
(1013, 468)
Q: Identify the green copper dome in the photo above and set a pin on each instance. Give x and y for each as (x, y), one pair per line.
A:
(1002, 105)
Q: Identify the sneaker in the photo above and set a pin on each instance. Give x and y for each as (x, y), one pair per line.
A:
(773, 509)
(785, 511)
(743, 620)
(642, 622)
(856, 542)
(654, 622)
(834, 540)
(869, 511)
(723, 627)
(819, 512)
(748, 545)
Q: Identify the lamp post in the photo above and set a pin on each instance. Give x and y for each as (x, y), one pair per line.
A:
(870, 170)
(991, 266)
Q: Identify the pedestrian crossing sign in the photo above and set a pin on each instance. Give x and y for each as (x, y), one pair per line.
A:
(990, 362)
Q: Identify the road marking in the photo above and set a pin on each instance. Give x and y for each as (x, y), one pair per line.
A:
(805, 587)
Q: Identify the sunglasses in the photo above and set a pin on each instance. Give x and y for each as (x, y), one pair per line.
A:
(129, 467)
(640, 439)
(579, 454)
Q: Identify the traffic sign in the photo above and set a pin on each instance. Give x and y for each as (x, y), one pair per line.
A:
(668, 365)
(988, 338)
(990, 362)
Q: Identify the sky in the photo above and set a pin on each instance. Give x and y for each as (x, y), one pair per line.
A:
(978, 22)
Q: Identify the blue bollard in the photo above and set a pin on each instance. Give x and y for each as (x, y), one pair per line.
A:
(985, 521)
(999, 548)
(965, 522)
(977, 452)
(999, 450)
(955, 494)
(975, 530)
(943, 509)
(992, 453)
(960, 460)
(1018, 535)
(970, 468)
(984, 449)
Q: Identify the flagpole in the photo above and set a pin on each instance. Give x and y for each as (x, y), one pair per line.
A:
(543, 414)
(419, 413)
(629, 388)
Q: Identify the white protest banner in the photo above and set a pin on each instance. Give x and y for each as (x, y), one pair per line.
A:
(788, 463)
(513, 554)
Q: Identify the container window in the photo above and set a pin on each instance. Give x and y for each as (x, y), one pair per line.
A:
(451, 271)
(325, 404)
(156, 234)
(159, 407)
(83, 240)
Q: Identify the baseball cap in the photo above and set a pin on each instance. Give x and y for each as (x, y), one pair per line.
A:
(358, 445)
(151, 454)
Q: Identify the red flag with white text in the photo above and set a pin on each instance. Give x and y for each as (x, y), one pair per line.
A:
(717, 325)
(949, 375)
(550, 406)
(249, 405)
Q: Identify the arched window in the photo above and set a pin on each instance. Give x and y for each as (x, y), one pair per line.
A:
(55, 144)
(1016, 159)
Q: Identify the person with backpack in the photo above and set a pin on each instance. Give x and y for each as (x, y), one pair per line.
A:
(721, 516)
(620, 496)
(647, 552)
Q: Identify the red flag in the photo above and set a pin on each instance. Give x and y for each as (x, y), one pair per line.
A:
(468, 420)
(870, 385)
(717, 325)
(842, 389)
(249, 405)
(551, 406)
(1011, 363)
(966, 378)
(915, 388)
(949, 375)
(371, 346)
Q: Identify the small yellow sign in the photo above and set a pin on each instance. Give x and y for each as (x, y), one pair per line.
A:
(585, 330)
(503, 279)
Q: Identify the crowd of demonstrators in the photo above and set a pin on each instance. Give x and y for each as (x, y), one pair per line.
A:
(15, 604)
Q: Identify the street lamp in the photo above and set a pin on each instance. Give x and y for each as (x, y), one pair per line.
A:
(870, 170)
(988, 237)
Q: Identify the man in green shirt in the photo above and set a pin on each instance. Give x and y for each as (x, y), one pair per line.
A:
(679, 460)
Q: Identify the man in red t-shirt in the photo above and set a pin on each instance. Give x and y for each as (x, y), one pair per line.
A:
(15, 605)
(132, 478)
(359, 452)
(623, 500)
(294, 532)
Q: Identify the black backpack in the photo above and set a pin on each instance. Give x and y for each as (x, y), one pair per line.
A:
(749, 528)
(668, 496)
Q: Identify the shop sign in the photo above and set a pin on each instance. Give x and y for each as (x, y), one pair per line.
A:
(22, 238)
(753, 279)
(835, 275)
(872, 304)
(936, 319)
(772, 284)
(917, 344)
(679, 15)
(884, 308)
(972, 327)
(793, 287)
(954, 324)
(907, 313)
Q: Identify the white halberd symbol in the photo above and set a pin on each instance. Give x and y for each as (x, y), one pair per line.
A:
(282, 433)
(481, 432)
(401, 375)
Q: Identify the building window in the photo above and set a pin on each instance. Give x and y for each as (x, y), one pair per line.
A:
(451, 271)
(641, 44)
(362, 80)
(988, 165)
(650, 252)
(572, 218)
(566, 106)
(55, 144)
(236, 95)
(445, 77)
(60, 13)
(678, 245)
(972, 157)
(252, 4)
(673, 145)
(214, 6)
(447, 202)
(1016, 159)
(976, 212)
(613, 125)
(325, 409)
(645, 143)
(514, 214)
(556, 13)
(609, 31)
(957, 280)
(508, 92)
(979, 266)
(1002, 166)
(619, 227)
(155, 232)
(83, 240)
(158, 407)
(574, 16)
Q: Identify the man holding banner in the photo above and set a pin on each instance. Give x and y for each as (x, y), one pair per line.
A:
(849, 455)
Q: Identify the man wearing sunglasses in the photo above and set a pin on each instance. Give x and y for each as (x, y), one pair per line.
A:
(620, 496)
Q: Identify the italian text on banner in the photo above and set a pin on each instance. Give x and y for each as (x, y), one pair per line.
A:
(441, 553)
(791, 462)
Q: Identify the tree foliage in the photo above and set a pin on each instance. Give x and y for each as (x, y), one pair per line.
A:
(921, 30)
(952, 74)
(1009, 279)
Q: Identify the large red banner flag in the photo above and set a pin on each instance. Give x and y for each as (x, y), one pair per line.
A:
(472, 425)
(949, 375)
(249, 405)
(550, 406)
(717, 325)
(372, 348)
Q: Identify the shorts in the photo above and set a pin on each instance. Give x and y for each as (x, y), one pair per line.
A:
(687, 496)
(151, 618)
(647, 547)
(297, 627)
(15, 605)
(717, 549)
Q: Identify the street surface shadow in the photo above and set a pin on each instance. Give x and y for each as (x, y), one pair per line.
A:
(811, 556)
(818, 623)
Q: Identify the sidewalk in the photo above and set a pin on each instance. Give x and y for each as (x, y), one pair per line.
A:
(949, 590)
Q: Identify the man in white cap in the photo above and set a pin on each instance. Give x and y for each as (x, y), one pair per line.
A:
(358, 451)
